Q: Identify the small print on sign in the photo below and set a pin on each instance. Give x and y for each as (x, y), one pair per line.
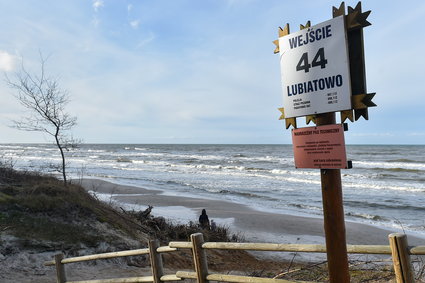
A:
(315, 69)
(320, 147)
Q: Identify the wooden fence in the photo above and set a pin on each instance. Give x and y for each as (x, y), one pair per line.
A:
(398, 248)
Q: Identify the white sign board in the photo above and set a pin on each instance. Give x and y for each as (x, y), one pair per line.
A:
(315, 69)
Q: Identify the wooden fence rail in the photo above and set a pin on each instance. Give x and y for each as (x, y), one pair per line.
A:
(353, 249)
(397, 248)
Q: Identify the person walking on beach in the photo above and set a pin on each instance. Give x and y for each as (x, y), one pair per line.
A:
(203, 220)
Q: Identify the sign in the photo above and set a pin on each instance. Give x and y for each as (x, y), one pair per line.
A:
(315, 69)
(320, 147)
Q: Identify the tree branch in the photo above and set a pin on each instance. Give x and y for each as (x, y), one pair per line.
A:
(42, 96)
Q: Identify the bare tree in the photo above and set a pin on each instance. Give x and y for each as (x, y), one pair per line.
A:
(46, 102)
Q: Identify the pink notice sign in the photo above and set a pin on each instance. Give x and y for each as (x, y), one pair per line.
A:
(320, 147)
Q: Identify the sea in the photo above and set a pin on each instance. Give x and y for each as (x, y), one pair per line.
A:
(385, 187)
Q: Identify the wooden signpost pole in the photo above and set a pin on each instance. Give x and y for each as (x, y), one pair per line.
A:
(333, 208)
(323, 48)
(333, 214)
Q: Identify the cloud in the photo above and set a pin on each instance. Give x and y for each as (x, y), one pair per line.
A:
(192, 77)
(417, 134)
(135, 24)
(97, 4)
(7, 61)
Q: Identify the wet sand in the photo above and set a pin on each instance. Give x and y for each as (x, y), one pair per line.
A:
(255, 225)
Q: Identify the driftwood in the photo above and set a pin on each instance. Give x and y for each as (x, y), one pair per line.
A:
(146, 219)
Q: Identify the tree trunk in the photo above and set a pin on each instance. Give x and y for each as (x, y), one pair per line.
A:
(62, 155)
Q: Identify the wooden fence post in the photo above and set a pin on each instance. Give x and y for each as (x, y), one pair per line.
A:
(401, 258)
(199, 257)
(156, 261)
(60, 269)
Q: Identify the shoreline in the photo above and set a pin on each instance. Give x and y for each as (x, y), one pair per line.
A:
(254, 225)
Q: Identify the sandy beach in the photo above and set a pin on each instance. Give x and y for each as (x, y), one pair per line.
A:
(254, 225)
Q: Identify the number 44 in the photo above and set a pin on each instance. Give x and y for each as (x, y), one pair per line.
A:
(318, 60)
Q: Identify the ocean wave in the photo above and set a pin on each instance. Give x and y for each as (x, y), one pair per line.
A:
(369, 153)
(279, 171)
(31, 147)
(399, 170)
(229, 192)
(77, 160)
(156, 165)
(241, 171)
(249, 195)
(371, 186)
(258, 174)
(96, 150)
(41, 158)
(196, 156)
(224, 159)
(101, 176)
(184, 184)
(13, 153)
(197, 166)
(129, 168)
(367, 216)
(306, 207)
(296, 172)
(138, 154)
(385, 177)
(388, 165)
(291, 179)
(46, 149)
(255, 169)
(239, 155)
(405, 160)
(124, 159)
(391, 206)
(217, 167)
(11, 146)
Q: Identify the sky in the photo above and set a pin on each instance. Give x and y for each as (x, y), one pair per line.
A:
(186, 71)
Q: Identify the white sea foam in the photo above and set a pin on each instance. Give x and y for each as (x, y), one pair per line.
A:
(386, 187)
(390, 165)
(261, 176)
(96, 150)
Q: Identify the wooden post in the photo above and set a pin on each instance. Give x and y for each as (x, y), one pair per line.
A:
(401, 258)
(60, 269)
(333, 214)
(199, 257)
(156, 261)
